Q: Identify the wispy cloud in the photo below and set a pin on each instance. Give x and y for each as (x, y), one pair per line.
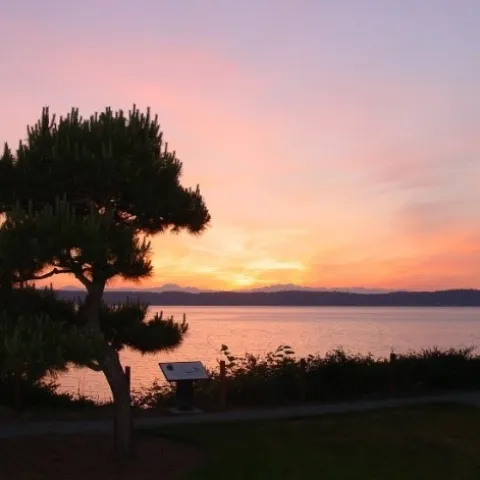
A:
(335, 144)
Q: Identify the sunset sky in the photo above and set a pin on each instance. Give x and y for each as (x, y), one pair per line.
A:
(336, 142)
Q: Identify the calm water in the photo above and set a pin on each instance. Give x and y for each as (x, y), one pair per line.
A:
(307, 330)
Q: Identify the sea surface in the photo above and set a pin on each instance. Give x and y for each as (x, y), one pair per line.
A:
(257, 330)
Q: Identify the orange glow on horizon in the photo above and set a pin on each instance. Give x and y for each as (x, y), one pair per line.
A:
(329, 157)
(242, 262)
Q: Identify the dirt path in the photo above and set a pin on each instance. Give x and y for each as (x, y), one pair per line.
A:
(26, 428)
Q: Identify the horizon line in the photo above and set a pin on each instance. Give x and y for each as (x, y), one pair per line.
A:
(260, 290)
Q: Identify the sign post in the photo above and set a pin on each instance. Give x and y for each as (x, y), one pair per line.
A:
(184, 374)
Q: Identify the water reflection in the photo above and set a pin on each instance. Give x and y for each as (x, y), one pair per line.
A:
(308, 330)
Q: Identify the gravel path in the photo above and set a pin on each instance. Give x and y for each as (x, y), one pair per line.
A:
(13, 429)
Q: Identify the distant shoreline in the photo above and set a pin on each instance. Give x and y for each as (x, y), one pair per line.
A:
(444, 298)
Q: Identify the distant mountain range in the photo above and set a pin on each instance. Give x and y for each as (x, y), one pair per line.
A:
(292, 297)
(288, 287)
(297, 288)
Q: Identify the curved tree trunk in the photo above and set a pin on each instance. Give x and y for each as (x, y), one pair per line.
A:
(123, 427)
(116, 378)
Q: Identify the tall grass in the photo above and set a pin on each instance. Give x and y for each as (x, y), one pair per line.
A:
(40, 394)
(281, 378)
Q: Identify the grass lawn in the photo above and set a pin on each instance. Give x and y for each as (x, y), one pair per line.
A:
(434, 442)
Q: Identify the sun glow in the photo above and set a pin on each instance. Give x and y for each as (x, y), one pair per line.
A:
(241, 280)
(374, 186)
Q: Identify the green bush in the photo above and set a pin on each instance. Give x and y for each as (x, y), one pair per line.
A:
(279, 378)
(39, 394)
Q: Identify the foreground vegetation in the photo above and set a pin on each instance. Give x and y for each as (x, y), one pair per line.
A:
(279, 378)
(40, 395)
(438, 442)
(83, 197)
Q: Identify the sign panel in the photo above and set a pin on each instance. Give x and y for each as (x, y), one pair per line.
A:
(176, 371)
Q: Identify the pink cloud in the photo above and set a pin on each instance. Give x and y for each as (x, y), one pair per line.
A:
(438, 219)
(448, 260)
(357, 164)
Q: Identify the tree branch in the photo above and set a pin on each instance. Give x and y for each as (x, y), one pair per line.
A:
(79, 275)
(79, 272)
(93, 366)
(49, 274)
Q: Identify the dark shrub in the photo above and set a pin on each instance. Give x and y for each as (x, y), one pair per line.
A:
(279, 378)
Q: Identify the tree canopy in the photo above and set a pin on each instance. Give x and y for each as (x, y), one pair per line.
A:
(83, 196)
(103, 185)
